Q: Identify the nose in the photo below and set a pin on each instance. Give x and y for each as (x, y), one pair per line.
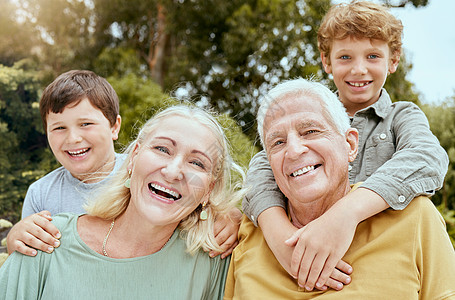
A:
(173, 170)
(74, 136)
(295, 146)
(359, 67)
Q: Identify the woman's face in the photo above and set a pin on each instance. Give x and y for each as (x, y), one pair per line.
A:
(172, 170)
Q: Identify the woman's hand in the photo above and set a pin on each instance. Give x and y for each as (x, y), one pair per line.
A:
(226, 232)
(34, 232)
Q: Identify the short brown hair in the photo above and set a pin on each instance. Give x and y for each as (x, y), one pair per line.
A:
(72, 87)
(359, 19)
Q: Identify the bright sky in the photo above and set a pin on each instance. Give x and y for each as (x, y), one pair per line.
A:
(429, 43)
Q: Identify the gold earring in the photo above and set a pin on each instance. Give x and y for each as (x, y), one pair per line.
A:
(127, 183)
(203, 215)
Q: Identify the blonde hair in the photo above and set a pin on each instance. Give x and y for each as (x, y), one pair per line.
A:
(359, 19)
(113, 198)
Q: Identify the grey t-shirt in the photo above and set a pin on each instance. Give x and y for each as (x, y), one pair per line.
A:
(60, 192)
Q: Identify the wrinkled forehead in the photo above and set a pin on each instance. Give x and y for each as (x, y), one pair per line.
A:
(307, 105)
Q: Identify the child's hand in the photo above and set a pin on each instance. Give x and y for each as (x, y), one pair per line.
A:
(35, 231)
(226, 230)
(319, 247)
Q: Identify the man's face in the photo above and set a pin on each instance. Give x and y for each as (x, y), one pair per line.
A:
(309, 157)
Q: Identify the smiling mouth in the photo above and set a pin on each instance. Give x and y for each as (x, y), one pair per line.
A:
(305, 170)
(359, 84)
(164, 192)
(78, 153)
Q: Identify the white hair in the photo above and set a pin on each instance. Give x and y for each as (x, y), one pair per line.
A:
(330, 103)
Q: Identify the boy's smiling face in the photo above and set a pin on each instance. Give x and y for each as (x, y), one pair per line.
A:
(81, 139)
(359, 68)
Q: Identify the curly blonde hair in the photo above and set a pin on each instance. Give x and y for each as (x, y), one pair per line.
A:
(113, 199)
(360, 19)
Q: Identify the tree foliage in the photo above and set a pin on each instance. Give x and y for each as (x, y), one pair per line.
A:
(23, 154)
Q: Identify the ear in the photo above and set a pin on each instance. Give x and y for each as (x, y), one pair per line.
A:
(393, 64)
(326, 64)
(116, 128)
(352, 138)
(133, 155)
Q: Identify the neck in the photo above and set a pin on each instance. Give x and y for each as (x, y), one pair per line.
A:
(303, 212)
(133, 238)
(99, 174)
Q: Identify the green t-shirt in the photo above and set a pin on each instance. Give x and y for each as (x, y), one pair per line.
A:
(74, 271)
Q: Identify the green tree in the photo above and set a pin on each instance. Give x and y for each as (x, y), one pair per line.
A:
(63, 32)
(442, 122)
(18, 40)
(24, 156)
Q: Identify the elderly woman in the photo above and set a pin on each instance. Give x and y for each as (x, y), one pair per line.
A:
(142, 237)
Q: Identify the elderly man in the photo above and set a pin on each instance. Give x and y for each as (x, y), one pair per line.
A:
(309, 143)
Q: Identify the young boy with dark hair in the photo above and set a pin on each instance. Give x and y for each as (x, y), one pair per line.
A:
(399, 158)
(80, 113)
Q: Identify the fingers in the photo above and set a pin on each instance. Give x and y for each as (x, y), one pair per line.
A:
(35, 231)
(292, 241)
(297, 257)
(333, 284)
(45, 213)
(44, 224)
(338, 279)
(229, 251)
(227, 239)
(40, 241)
(21, 248)
(344, 267)
(328, 268)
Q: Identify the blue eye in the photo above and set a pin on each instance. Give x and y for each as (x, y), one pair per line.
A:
(345, 57)
(198, 163)
(162, 149)
(86, 124)
(373, 56)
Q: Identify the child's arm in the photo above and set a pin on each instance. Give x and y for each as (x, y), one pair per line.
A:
(34, 232)
(419, 164)
(320, 245)
(262, 190)
(226, 232)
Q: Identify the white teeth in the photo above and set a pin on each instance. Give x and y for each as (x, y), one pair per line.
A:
(358, 84)
(302, 171)
(78, 153)
(163, 189)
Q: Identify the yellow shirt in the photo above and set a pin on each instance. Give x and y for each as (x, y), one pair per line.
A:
(395, 255)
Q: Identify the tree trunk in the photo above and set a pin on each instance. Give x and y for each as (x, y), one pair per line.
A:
(159, 40)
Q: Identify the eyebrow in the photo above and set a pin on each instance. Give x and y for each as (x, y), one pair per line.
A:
(174, 143)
